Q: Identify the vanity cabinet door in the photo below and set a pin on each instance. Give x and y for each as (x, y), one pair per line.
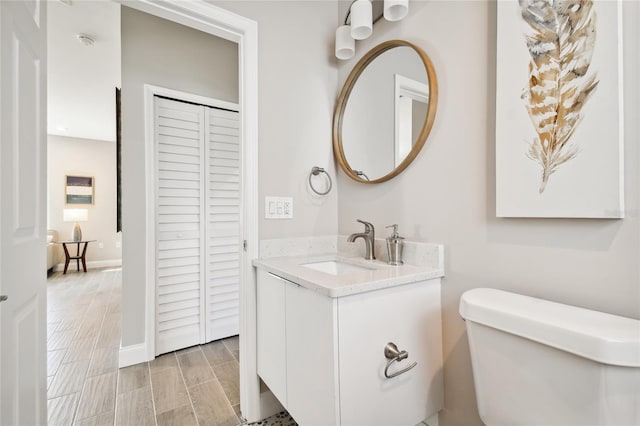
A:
(312, 353)
(409, 316)
(271, 334)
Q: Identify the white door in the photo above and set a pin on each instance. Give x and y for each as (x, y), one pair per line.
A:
(198, 211)
(179, 141)
(23, 384)
(224, 212)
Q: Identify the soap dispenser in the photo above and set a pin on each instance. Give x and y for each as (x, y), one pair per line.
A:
(394, 246)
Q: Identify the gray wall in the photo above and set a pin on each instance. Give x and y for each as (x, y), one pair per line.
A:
(297, 83)
(84, 157)
(161, 53)
(447, 195)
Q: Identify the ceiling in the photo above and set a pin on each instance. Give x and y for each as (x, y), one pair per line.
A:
(82, 79)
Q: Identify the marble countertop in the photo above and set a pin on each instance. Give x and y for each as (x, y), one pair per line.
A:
(377, 275)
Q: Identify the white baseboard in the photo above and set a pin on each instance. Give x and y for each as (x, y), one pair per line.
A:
(92, 264)
(133, 354)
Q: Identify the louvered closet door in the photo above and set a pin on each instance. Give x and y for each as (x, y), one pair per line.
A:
(179, 141)
(223, 224)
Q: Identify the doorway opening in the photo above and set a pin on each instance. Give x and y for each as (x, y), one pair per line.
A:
(243, 32)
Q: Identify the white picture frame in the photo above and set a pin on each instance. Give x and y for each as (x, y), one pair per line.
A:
(590, 184)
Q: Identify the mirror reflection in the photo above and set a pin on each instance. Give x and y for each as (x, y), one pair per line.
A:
(410, 111)
(385, 112)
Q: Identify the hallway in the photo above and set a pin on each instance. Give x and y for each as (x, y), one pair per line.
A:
(194, 386)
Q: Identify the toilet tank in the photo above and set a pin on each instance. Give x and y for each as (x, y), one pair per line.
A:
(537, 362)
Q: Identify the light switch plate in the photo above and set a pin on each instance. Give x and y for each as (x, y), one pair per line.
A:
(278, 207)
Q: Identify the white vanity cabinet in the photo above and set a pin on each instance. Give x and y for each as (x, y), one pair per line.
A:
(323, 357)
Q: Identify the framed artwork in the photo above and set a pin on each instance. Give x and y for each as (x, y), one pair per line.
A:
(559, 129)
(78, 189)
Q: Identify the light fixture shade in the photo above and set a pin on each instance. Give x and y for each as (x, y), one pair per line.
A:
(361, 19)
(395, 10)
(75, 215)
(345, 44)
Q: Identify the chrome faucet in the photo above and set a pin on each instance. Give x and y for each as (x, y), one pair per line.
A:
(369, 237)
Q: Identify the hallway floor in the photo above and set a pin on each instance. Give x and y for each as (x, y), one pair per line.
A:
(194, 386)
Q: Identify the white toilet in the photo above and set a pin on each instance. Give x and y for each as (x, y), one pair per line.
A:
(542, 363)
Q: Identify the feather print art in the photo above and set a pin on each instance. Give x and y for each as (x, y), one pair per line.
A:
(560, 42)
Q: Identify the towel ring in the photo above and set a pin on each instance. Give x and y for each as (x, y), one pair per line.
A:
(315, 171)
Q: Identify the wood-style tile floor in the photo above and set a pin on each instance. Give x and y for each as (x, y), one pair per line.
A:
(194, 386)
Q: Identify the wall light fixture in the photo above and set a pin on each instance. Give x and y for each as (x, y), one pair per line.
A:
(358, 23)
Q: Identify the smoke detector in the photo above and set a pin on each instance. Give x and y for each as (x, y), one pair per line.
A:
(85, 39)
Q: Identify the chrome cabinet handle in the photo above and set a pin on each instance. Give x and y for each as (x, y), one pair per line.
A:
(3, 298)
(393, 354)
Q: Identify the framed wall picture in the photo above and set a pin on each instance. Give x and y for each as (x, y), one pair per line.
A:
(79, 189)
(559, 98)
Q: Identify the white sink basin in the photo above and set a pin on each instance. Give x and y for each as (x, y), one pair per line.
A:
(335, 267)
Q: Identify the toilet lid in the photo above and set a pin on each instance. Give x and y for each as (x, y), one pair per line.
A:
(602, 337)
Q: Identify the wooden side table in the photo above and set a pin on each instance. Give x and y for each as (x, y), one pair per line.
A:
(78, 257)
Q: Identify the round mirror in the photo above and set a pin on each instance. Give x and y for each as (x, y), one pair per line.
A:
(385, 112)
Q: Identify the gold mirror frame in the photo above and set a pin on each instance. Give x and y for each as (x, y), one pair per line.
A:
(344, 97)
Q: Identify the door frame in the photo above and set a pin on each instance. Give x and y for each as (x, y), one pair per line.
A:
(227, 25)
